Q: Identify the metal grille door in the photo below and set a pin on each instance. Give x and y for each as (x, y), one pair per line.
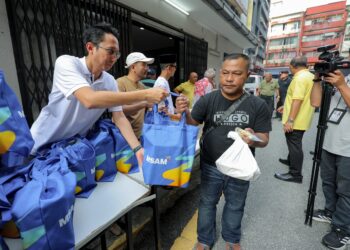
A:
(42, 30)
(196, 55)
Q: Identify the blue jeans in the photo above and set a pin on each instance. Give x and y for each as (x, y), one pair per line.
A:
(213, 184)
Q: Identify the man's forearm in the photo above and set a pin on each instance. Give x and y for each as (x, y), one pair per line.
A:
(131, 109)
(189, 119)
(316, 95)
(265, 140)
(295, 107)
(126, 130)
(105, 99)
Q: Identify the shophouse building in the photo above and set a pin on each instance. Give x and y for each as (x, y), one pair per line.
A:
(303, 32)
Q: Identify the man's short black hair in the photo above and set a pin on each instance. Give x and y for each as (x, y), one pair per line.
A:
(96, 32)
(235, 56)
(299, 61)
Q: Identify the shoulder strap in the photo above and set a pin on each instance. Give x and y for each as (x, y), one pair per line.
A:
(229, 111)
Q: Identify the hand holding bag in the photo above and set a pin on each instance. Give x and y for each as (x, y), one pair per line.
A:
(169, 150)
(238, 161)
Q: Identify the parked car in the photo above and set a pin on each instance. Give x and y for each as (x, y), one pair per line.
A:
(252, 83)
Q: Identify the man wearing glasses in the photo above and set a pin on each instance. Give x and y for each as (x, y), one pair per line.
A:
(82, 90)
(168, 66)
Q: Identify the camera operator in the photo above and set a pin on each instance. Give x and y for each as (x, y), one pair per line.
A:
(335, 160)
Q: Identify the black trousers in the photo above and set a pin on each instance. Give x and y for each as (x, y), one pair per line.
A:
(269, 101)
(279, 104)
(295, 148)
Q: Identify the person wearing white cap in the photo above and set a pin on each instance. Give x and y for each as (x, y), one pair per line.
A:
(137, 64)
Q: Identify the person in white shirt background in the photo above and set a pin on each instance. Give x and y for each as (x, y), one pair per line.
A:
(168, 66)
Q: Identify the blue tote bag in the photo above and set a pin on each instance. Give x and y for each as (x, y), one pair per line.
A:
(102, 140)
(11, 180)
(80, 155)
(169, 150)
(124, 159)
(43, 208)
(16, 141)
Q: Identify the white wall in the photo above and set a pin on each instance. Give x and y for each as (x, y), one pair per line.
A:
(7, 60)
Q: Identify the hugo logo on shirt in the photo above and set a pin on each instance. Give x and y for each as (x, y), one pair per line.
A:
(236, 119)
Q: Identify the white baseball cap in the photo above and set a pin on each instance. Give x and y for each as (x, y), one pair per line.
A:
(137, 57)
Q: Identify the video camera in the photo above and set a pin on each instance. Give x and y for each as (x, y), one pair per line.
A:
(332, 60)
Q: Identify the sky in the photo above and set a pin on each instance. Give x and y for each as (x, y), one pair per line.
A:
(291, 6)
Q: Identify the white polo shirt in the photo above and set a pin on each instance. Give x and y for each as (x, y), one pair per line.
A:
(64, 116)
(163, 83)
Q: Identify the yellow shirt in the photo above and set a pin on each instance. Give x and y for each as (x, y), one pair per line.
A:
(187, 88)
(300, 89)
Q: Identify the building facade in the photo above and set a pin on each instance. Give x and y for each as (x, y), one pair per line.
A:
(284, 42)
(302, 33)
(258, 20)
(323, 25)
(345, 50)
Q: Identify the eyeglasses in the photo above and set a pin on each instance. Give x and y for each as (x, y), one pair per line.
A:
(110, 51)
(172, 65)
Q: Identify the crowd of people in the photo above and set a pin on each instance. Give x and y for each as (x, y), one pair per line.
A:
(82, 90)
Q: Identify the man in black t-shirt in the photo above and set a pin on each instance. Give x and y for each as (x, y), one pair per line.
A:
(283, 81)
(252, 115)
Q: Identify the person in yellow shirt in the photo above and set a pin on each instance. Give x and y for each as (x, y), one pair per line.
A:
(187, 88)
(297, 118)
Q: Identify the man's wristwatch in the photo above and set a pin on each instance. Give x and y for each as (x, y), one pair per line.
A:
(290, 121)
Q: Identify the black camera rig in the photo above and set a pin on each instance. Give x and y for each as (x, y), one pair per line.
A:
(332, 61)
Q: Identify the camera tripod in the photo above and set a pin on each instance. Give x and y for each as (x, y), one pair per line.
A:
(327, 90)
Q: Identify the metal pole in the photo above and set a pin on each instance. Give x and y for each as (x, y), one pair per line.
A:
(321, 130)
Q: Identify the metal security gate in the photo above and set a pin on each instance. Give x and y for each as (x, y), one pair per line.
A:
(196, 55)
(42, 30)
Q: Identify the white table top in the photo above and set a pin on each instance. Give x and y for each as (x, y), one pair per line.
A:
(107, 203)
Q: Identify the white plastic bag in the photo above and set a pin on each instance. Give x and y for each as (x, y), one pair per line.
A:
(238, 161)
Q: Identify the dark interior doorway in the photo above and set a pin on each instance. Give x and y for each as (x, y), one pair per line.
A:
(153, 43)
